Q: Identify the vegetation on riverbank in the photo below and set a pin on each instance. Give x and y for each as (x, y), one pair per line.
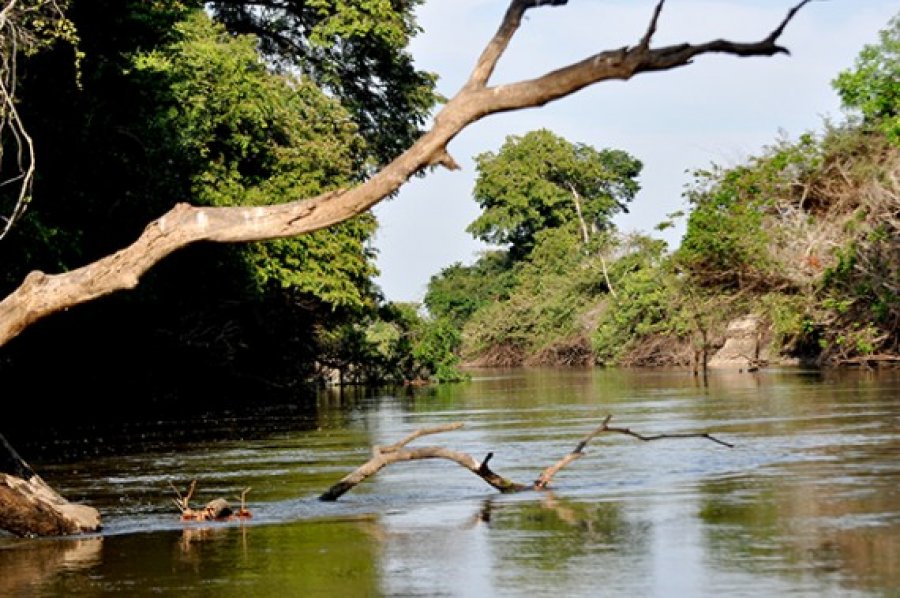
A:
(220, 105)
(804, 236)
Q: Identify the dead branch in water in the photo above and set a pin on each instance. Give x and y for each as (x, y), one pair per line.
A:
(217, 509)
(385, 455)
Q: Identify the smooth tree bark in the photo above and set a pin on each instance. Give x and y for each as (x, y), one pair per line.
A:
(41, 295)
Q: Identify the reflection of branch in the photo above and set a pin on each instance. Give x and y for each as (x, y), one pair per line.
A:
(38, 564)
(385, 455)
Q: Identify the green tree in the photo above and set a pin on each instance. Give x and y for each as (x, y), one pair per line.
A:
(541, 181)
(541, 319)
(356, 50)
(872, 87)
(255, 137)
(725, 244)
(197, 116)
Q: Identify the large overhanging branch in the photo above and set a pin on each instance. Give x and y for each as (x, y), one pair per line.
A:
(41, 294)
(382, 456)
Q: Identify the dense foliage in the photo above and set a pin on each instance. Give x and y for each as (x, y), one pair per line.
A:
(541, 181)
(164, 104)
(355, 50)
(804, 237)
(872, 87)
(550, 202)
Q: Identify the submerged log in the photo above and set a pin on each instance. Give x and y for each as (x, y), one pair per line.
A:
(385, 455)
(30, 507)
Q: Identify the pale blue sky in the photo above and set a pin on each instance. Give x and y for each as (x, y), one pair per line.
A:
(719, 109)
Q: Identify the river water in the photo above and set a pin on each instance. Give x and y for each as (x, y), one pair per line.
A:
(806, 503)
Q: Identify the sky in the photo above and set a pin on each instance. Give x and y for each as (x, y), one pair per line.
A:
(720, 109)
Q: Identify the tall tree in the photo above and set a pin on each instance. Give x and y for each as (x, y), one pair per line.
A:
(542, 181)
(355, 50)
(872, 86)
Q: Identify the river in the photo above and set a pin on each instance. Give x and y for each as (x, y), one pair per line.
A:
(806, 503)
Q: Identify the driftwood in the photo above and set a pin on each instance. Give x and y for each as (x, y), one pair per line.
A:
(385, 455)
(29, 507)
(217, 509)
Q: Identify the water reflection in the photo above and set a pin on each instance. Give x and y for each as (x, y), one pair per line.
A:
(27, 564)
(807, 503)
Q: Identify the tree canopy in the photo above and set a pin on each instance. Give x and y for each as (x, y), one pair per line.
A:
(356, 51)
(540, 181)
(253, 137)
(872, 86)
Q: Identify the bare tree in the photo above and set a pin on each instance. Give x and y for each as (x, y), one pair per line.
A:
(14, 138)
(41, 295)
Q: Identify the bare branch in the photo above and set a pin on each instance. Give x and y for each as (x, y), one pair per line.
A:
(651, 29)
(384, 456)
(547, 475)
(787, 19)
(418, 434)
(4, 14)
(11, 121)
(381, 460)
(487, 62)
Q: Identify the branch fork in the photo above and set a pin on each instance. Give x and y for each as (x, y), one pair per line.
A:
(386, 455)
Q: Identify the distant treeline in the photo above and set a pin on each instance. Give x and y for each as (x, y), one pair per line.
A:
(805, 236)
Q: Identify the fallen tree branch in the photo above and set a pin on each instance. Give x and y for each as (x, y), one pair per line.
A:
(547, 475)
(384, 456)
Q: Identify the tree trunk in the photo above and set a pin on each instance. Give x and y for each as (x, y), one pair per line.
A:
(29, 507)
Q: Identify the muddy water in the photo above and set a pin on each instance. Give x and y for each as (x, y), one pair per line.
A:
(807, 503)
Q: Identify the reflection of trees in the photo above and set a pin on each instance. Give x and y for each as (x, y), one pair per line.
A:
(26, 566)
(812, 528)
(552, 531)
